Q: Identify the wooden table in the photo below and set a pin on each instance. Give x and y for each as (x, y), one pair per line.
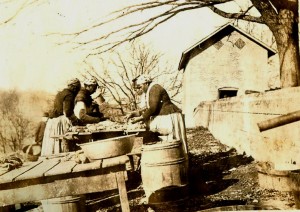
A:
(57, 177)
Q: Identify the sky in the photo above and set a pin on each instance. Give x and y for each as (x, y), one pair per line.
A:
(31, 60)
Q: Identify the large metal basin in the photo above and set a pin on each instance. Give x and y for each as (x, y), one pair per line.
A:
(108, 148)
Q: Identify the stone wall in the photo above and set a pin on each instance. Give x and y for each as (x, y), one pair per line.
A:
(234, 122)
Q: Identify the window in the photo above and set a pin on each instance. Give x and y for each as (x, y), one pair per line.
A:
(226, 92)
(218, 44)
(240, 43)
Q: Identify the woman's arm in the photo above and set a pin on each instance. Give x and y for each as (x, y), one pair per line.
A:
(154, 101)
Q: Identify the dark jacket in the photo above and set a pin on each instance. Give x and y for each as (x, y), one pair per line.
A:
(64, 104)
(39, 133)
(159, 103)
(91, 116)
(84, 96)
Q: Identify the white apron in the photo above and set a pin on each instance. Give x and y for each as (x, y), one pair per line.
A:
(55, 127)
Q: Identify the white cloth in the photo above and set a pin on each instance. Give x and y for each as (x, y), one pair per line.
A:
(78, 107)
(55, 127)
(171, 127)
(148, 93)
(142, 104)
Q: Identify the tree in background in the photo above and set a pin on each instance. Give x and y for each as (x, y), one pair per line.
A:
(14, 126)
(18, 6)
(280, 16)
(116, 77)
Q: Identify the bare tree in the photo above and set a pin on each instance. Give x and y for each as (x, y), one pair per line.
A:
(19, 6)
(14, 126)
(281, 17)
(141, 60)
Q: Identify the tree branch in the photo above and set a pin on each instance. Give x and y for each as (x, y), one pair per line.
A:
(18, 11)
(241, 16)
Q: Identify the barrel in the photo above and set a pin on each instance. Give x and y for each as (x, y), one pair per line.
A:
(64, 204)
(240, 208)
(7, 208)
(294, 178)
(269, 178)
(164, 172)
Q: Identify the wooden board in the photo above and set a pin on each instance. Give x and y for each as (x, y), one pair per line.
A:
(110, 162)
(56, 156)
(11, 175)
(88, 166)
(137, 130)
(39, 170)
(122, 191)
(3, 171)
(63, 167)
(58, 188)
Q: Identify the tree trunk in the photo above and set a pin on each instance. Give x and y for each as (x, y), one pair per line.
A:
(286, 35)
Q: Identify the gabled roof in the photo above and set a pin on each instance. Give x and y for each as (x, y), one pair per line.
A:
(185, 55)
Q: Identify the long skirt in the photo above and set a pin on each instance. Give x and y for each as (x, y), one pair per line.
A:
(55, 127)
(171, 127)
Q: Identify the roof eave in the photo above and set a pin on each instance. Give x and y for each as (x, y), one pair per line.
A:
(183, 59)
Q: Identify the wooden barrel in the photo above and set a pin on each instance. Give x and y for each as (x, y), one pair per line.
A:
(7, 208)
(269, 178)
(164, 172)
(294, 181)
(64, 204)
(240, 208)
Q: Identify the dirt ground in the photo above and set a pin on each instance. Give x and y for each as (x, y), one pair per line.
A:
(219, 180)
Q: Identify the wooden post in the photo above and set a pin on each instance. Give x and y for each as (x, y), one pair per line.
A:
(279, 121)
(120, 177)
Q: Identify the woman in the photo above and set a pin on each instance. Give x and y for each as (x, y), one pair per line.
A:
(61, 119)
(161, 115)
(85, 108)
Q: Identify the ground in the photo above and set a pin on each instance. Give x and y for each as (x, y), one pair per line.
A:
(219, 179)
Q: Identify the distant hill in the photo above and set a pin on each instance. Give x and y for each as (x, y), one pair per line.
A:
(34, 103)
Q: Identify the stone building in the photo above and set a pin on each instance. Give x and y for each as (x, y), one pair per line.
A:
(226, 63)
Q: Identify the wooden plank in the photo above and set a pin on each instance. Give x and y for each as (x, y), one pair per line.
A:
(109, 162)
(120, 177)
(56, 156)
(3, 171)
(64, 167)
(88, 166)
(73, 186)
(39, 170)
(11, 175)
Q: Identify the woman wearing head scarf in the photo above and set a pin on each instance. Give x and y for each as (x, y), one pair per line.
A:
(160, 114)
(86, 110)
(61, 119)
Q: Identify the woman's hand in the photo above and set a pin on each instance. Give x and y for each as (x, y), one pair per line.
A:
(137, 119)
(131, 115)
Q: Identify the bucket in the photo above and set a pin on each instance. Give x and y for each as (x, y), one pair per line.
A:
(64, 204)
(32, 152)
(269, 178)
(294, 179)
(164, 172)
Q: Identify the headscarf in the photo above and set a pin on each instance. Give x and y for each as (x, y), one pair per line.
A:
(90, 81)
(143, 79)
(73, 81)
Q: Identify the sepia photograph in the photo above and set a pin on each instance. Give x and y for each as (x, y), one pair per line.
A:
(149, 106)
